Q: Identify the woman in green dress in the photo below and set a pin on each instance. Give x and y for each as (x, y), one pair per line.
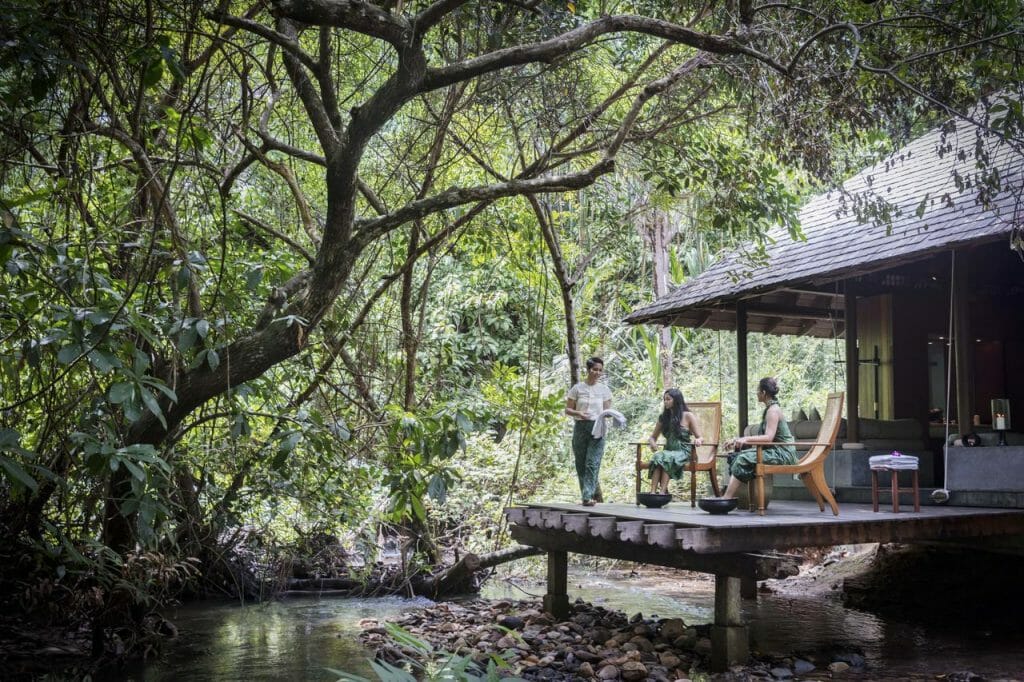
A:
(678, 425)
(773, 429)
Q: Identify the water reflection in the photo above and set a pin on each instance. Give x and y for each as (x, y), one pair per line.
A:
(294, 639)
(300, 639)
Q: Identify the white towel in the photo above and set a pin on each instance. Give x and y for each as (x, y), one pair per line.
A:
(902, 462)
(601, 427)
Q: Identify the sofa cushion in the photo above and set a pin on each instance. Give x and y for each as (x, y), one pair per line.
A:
(891, 428)
(875, 434)
(901, 444)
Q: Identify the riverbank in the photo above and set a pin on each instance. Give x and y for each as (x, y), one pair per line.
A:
(599, 643)
(604, 643)
(518, 639)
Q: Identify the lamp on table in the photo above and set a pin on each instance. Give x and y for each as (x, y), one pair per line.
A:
(1001, 418)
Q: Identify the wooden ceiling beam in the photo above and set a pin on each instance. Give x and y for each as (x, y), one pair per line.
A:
(794, 312)
(812, 292)
(806, 326)
(703, 319)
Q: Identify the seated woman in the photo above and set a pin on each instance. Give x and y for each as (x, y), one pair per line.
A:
(773, 429)
(678, 425)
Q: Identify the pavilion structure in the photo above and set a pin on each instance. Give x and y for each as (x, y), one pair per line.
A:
(917, 263)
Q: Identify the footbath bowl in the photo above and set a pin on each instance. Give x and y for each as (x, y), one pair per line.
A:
(717, 505)
(653, 500)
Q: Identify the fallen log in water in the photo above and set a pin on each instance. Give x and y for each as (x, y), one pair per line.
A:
(317, 584)
(457, 579)
(448, 581)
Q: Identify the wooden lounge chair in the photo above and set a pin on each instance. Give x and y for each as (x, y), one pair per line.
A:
(811, 466)
(709, 415)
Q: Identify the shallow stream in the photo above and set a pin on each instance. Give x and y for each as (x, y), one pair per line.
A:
(302, 638)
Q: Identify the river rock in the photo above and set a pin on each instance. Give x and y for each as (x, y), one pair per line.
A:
(621, 638)
(802, 667)
(594, 644)
(542, 619)
(584, 620)
(511, 622)
(634, 670)
(670, 660)
(642, 629)
(506, 642)
(642, 643)
(687, 640)
(672, 629)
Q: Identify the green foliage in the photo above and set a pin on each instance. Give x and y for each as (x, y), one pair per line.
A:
(174, 236)
(418, 460)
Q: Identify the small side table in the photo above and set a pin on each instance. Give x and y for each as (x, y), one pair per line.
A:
(896, 489)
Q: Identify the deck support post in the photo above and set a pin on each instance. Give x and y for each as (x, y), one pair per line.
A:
(556, 601)
(730, 641)
(748, 587)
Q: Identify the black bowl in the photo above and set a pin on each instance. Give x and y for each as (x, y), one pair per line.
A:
(717, 505)
(653, 500)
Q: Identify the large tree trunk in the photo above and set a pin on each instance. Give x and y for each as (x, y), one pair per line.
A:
(565, 287)
(659, 233)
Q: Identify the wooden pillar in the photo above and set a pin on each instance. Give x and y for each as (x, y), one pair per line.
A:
(852, 367)
(556, 601)
(741, 365)
(963, 345)
(730, 641)
(748, 585)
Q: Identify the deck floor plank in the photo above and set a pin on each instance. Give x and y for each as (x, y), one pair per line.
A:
(787, 524)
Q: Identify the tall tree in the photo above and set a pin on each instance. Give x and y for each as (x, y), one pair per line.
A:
(193, 187)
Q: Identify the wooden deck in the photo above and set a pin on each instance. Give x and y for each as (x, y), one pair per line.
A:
(739, 548)
(787, 524)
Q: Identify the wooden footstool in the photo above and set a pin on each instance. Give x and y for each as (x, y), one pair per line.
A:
(894, 464)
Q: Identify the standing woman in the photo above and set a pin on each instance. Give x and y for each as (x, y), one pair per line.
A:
(585, 401)
(677, 424)
(773, 429)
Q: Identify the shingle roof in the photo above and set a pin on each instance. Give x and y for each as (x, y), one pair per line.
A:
(838, 245)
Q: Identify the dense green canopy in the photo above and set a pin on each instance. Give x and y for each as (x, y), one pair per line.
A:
(271, 262)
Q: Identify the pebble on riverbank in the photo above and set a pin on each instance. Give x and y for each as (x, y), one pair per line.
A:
(593, 644)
